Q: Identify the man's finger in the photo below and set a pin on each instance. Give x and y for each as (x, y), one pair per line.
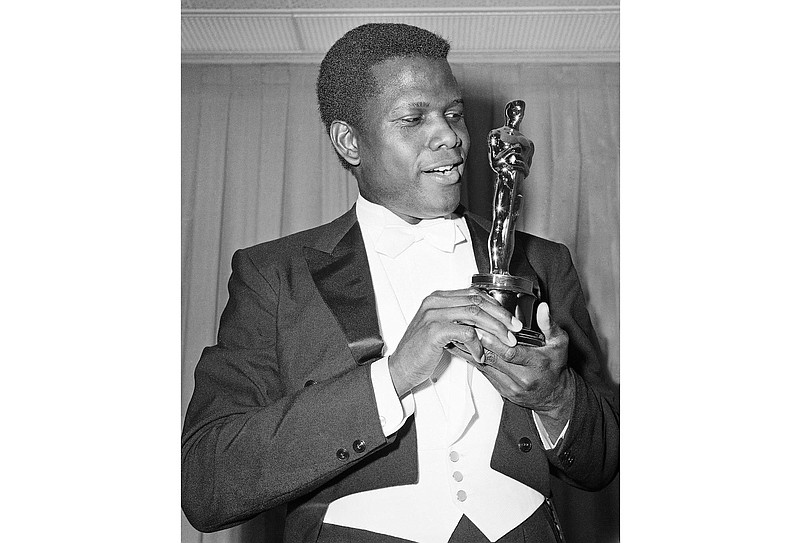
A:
(500, 347)
(475, 316)
(457, 350)
(459, 339)
(547, 326)
(491, 306)
(504, 382)
(443, 295)
(476, 298)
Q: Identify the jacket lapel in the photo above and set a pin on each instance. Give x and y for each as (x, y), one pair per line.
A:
(479, 232)
(338, 264)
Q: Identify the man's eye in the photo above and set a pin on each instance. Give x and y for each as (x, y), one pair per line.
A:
(410, 121)
(455, 115)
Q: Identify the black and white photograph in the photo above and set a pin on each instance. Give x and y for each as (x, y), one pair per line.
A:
(289, 271)
(400, 282)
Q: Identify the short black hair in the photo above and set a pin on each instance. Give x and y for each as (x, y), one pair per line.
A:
(345, 79)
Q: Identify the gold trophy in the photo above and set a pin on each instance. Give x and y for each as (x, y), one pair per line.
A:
(510, 155)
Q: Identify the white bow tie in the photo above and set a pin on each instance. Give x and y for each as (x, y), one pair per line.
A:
(394, 239)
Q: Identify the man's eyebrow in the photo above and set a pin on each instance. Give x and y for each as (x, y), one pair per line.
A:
(420, 105)
(424, 105)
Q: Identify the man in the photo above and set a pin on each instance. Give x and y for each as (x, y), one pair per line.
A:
(358, 380)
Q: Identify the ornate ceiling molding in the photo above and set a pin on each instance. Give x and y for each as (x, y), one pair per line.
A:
(562, 33)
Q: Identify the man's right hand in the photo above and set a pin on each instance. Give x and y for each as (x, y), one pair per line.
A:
(446, 320)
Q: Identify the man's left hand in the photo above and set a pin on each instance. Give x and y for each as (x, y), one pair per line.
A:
(534, 377)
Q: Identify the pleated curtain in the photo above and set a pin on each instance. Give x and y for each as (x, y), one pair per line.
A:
(257, 165)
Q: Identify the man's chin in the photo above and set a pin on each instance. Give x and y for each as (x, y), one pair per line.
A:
(443, 208)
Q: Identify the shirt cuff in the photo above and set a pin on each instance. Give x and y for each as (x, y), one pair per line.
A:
(548, 444)
(393, 411)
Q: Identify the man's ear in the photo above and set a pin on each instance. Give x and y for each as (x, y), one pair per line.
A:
(345, 141)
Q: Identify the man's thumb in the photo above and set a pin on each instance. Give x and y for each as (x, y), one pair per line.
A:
(543, 319)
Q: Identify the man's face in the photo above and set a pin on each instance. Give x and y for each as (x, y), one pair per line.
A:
(414, 143)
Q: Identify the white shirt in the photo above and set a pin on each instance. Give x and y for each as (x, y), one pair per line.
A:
(457, 411)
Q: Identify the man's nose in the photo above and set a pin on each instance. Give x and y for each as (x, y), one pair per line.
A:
(444, 135)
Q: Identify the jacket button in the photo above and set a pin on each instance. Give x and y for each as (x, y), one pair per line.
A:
(525, 445)
(567, 458)
(359, 446)
(310, 382)
(342, 454)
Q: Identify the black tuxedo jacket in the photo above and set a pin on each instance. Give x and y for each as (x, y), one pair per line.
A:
(283, 410)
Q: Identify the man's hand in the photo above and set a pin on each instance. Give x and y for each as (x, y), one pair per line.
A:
(534, 377)
(449, 320)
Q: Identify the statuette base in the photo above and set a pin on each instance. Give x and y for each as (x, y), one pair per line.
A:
(519, 297)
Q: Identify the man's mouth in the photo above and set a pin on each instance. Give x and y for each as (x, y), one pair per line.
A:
(442, 169)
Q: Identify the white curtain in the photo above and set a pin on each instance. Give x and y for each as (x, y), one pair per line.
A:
(257, 165)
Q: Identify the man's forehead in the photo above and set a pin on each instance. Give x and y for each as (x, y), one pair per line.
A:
(405, 69)
(413, 79)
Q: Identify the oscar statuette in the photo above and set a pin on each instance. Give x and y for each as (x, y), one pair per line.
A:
(510, 156)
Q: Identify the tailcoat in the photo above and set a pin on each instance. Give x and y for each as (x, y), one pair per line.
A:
(283, 411)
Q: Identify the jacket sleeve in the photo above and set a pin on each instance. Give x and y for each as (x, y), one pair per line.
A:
(251, 441)
(588, 456)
